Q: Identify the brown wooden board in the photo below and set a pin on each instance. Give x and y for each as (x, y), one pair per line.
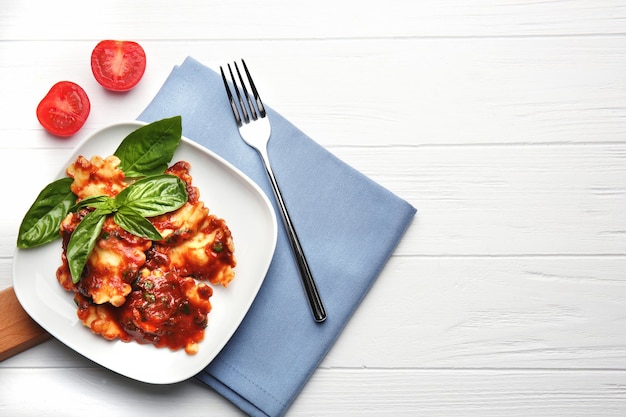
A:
(18, 331)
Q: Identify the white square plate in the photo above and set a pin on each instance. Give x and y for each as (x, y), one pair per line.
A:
(229, 194)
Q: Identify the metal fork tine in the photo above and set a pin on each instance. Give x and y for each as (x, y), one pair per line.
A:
(246, 118)
(257, 134)
(245, 93)
(233, 105)
(257, 97)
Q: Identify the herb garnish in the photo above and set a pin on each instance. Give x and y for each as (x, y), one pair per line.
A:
(145, 154)
(42, 221)
(149, 149)
(148, 197)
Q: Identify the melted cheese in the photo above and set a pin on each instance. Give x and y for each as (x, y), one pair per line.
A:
(181, 224)
(207, 255)
(96, 176)
(113, 264)
(136, 289)
(100, 319)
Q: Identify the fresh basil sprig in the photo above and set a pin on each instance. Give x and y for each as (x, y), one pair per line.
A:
(146, 151)
(149, 149)
(144, 155)
(82, 242)
(148, 197)
(133, 222)
(153, 196)
(43, 219)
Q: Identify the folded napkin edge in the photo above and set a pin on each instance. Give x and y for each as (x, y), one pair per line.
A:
(221, 383)
(180, 92)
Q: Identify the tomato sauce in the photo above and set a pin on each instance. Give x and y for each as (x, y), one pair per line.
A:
(153, 292)
(158, 311)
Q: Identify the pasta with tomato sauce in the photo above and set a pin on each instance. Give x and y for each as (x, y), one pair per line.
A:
(136, 289)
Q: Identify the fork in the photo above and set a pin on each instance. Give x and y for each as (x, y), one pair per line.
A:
(255, 129)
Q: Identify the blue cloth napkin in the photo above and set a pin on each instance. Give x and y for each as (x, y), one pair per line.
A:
(348, 226)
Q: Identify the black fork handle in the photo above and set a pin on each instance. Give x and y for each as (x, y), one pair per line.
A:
(310, 288)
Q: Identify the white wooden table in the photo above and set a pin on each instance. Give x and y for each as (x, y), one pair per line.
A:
(503, 122)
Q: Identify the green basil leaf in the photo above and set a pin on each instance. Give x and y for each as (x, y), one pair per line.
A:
(82, 242)
(98, 201)
(133, 222)
(149, 149)
(153, 196)
(43, 219)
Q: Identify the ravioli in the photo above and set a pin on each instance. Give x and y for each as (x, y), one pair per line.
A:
(136, 289)
(96, 176)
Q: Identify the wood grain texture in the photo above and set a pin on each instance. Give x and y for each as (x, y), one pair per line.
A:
(487, 200)
(402, 92)
(367, 392)
(18, 332)
(323, 19)
(465, 312)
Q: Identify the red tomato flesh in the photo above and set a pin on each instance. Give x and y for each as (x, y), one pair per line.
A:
(118, 65)
(64, 110)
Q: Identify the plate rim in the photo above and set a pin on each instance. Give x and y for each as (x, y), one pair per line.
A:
(273, 226)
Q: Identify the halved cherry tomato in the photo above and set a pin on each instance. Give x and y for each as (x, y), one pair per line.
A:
(118, 65)
(64, 110)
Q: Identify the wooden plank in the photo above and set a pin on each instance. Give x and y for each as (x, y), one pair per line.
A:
(486, 200)
(6, 280)
(450, 91)
(476, 392)
(506, 200)
(276, 19)
(334, 392)
(18, 331)
(93, 388)
(546, 312)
